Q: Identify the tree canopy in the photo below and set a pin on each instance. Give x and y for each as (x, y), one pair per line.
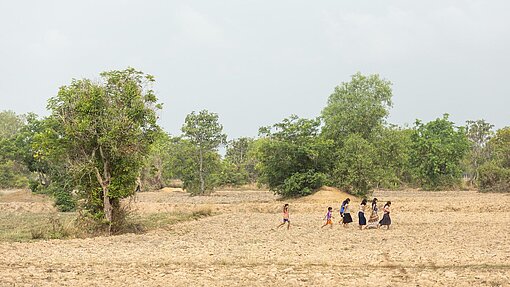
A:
(103, 131)
(205, 133)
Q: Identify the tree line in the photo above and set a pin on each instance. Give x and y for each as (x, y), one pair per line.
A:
(101, 143)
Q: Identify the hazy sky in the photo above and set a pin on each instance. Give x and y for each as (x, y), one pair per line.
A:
(256, 62)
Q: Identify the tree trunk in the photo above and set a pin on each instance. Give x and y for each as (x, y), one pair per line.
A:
(105, 183)
(107, 206)
(201, 173)
(159, 174)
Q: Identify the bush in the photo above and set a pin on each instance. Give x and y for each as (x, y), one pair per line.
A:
(53, 229)
(493, 178)
(64, 201)
(13, 175)
(302, 183)
(231, 175)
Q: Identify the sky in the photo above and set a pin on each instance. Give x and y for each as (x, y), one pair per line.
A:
(257, 62)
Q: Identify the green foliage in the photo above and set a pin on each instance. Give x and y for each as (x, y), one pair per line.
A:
(438, 148)
(359, 106)
(102, 132)
(500, 147)
(239, 162)
(291, 157)
(192, 177)
(393, 148)
(302, 183)
(180, 161)
(356, 169)
(158, 168)
(205, 134)
(204, 130)
(64, 200)
(478, 133)
(494, 178)
(10, 124)
(230, 175)
(355, 117)
(494, 174)
(13, 173)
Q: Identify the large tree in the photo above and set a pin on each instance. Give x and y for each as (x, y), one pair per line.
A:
(355, 117)
(359, 106)
(205, 133)
(104, 130)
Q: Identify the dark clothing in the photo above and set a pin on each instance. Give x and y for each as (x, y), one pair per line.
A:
(347, 218)
(362, 219)
(386, 220)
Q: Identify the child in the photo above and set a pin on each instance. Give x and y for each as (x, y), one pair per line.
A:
(346, 219)
(361, 214)
(374, 207)
(342, 208)
(386, 220)
(285, 216)
(373, 222)
(329, 217)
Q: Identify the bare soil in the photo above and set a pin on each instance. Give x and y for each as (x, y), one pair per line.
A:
(437, 239)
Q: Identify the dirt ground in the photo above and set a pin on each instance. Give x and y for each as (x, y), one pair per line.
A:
(437, 239)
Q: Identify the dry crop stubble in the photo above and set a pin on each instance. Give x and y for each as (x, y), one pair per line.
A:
(437, 239)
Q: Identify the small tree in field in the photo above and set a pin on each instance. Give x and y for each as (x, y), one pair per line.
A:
(206, 134)
(104, 131)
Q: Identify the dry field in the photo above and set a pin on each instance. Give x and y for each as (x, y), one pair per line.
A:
(437, 239)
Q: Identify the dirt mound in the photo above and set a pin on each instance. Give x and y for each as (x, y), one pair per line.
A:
(171, 189)
(20, 200)
(327, 194)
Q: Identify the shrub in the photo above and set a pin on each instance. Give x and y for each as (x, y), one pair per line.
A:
(302, 183)
(64, 201)
(493, 177)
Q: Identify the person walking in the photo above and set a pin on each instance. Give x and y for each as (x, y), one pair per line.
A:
(361, 215)
(347, 218)
(386, 220)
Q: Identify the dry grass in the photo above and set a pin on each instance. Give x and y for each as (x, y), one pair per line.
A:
(453, 238)
(21, 227)
(25, 216)
(21, 195)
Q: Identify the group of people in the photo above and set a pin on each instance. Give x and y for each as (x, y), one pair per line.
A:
(345, 214)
